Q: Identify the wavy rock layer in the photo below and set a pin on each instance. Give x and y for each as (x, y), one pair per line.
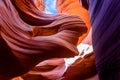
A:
(29, 36)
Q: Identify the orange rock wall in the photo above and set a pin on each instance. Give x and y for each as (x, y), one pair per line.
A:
(73, 7)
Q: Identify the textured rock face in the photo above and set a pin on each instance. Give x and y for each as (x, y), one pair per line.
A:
(81, 69)
(40, 4)
(73, 7)
(51, 69)
(23, 43)
(105, 19)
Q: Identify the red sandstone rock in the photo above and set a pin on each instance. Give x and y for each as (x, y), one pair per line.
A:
(81, 69)
(40, 4)
(73, 7)
(21, 48)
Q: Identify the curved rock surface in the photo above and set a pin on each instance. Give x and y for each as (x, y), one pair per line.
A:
(29, 36)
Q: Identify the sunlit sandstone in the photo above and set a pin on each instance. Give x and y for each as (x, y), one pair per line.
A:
(23, 47)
